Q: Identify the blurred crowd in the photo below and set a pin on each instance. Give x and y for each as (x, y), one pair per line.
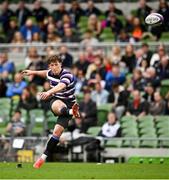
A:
(39, 25)
(130, 80)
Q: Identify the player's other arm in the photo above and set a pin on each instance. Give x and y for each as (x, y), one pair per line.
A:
(41, 73)
(56, 89)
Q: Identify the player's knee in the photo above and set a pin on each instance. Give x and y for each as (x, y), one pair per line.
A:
(58, 130)
(64, 111)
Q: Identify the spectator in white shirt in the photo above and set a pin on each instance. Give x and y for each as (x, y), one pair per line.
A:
(111, 128)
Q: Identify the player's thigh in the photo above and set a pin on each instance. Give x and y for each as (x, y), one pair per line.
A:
(57, 105)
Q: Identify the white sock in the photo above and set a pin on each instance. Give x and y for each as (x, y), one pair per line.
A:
(44, 157)
(71, 112)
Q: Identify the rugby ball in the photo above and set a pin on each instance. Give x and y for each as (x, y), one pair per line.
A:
(154, 19)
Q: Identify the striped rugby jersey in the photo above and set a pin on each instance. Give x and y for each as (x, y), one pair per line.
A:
(67, 78)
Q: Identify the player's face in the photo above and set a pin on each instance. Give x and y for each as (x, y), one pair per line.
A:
(55, 67)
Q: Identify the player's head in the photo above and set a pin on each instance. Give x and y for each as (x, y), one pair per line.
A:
(55, 63)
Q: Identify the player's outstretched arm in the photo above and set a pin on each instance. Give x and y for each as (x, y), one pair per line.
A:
(35, 73)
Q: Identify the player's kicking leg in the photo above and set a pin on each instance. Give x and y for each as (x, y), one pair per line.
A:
(64, 114)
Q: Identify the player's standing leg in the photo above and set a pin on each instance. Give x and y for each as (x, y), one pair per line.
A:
(64, 113)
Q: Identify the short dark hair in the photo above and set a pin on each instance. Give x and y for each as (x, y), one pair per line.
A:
(54, 59)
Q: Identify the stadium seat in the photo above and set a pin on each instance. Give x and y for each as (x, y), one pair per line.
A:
(37, 115)
(127, 118)
(107, 35)
(161, 118)
(164, 87)
(2, 127)
(102, 112)
(162, 124)
(38, 129)
(94, 130)
(113, 142)
(149, 143)
(164, 143)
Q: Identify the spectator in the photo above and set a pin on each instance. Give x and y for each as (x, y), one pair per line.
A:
(6, 67)
(99, 95)
(114, 23)
(143, 11)
(115, 55)
(13, 28)
(158, 106)
(158, 55)
(150, 76)
(16, 87)
(69, 36)
(59, 13)
(111, 128)
(119, 98)
(75, 12)
(129, 58)
(91, 9)
(162, 68)
(125, 37)
(66, 23)
(137, 80)
(114, 94)
(167, 103)
(39, 12)
(81, 82)
(66, 57)
(22, 13)
(88, 111)
(164, 11)
(82, 63)
(88, 39)
(51, 29)
(112, 9)
(51, 35)
(138, 29)
(27, 100)
(137, 106)
(36, 39)
(16, 127)
(94, 25)
(5, 16)
(97, 78)
(96, 67)
(149, 93)
(17, 40)
(35, 63)
(129, 23)
(28, 30)
(114, 77)
(89, 53)
(147, 54)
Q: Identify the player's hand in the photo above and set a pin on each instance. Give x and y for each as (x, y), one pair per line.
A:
(44, 95)
(27, 72)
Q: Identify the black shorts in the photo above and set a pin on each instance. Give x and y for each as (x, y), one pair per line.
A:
(62, 120)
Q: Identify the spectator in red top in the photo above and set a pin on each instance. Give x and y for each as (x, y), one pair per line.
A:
(137, 106)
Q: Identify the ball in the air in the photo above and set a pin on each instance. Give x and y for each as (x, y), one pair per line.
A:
(154, 19)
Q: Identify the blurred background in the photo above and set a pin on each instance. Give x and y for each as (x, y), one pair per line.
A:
(121, 67)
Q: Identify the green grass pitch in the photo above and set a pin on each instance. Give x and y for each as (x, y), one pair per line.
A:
(84, 171)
